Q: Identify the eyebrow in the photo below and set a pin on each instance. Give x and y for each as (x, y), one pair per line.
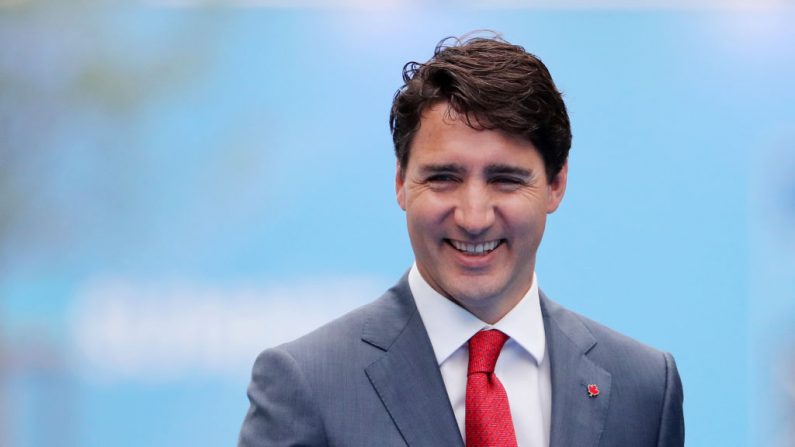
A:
(491, 170)
(442, 168)
(497, 169)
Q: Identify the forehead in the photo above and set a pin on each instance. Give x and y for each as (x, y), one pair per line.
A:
(443, 133)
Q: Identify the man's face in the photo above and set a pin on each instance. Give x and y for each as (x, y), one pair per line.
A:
(476, 203)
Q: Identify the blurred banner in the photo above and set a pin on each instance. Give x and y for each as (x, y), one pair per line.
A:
(185, 183)
(772, 294)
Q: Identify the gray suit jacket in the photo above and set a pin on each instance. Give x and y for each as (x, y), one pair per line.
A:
(370, 378)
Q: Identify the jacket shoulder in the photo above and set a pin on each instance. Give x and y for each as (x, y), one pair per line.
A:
(298, 388)
(600, 341)
(359, 334)
(644, 382)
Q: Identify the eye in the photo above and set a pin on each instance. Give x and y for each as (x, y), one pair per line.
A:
(442, 181)
(442, 178)
(508, 181)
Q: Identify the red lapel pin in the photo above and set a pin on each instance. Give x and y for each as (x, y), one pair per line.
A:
(593, 390)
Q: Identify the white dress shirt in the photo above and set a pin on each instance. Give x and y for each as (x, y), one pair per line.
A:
(523, 367)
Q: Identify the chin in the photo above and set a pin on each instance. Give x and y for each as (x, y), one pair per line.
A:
(477, 294)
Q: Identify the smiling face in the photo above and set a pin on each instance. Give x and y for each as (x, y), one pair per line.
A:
(476, 203)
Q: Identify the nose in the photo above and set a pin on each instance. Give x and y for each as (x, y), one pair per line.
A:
(474, 212)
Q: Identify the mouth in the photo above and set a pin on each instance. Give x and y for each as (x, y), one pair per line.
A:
(475, 248)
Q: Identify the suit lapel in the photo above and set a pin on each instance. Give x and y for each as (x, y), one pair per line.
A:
(406, 377)
(577, 419)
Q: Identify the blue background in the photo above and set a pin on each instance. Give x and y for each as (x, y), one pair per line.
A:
(183, 185)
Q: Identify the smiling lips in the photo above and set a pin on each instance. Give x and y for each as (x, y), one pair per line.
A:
(476, 249)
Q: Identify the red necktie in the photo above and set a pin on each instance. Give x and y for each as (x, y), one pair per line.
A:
(488, 416)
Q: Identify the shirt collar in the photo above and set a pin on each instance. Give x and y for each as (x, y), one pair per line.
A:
(449, 325)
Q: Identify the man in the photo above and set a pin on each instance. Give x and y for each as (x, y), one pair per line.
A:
(466, 349)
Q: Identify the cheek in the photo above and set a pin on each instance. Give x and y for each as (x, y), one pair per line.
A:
(419, 219)
(428, 210)
(524, 221)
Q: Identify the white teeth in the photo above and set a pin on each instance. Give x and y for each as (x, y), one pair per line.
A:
(480, 248)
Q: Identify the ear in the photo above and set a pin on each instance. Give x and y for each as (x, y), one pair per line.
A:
(400, 187)
(557, 188)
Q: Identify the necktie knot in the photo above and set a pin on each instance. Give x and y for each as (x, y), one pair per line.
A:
(484, 349)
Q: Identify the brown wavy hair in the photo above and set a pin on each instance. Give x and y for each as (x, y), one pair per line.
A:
(493, 85)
